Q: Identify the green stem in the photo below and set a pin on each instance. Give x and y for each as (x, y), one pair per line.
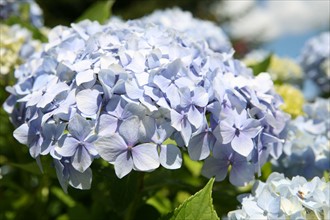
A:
(134, 205)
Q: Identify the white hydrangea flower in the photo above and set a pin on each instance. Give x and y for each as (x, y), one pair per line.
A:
(283, 198)
(16, 45)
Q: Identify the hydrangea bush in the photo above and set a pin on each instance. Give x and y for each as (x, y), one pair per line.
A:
(315, 59)
(27, 10)
(306, 150)
(121, 91)
(283, 198)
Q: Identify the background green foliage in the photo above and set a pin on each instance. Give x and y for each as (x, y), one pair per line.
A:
(67, 11)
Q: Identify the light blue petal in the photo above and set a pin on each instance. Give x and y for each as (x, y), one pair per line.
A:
(79, 127)
(35, 146)
(145, 157)
(115, 106)
(200, 97)
(186, 100)
(129, 130)
(80, 180)
(148, 130)
(107, 125)
(132, 90)
(85, 76)
(170, 156)
(137, 63)
(81, 159)
(88, 101)
(109, 147)
(227, 132)
(215, 168)
(241, 173)
(173, 95)
(200, 145)
(21, 134)
(269, 202)
(90, 148)
(107, 78)
(52, 93)
(176, 119)
(162, 82)
(68, 148)
(242, 144)
(186, 131)
(253, 210)
(59, 167)
(132, 109)
(195, 117)
(33, 98)
(123, 164)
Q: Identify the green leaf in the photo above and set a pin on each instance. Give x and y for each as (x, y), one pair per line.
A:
(198, 206)
(65, 198)
(261, 66)
(100, 11)
(29, 167)
(160, 201)
(195, 167)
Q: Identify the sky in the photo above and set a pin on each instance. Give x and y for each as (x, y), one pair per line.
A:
(284, 25)
(290, 45)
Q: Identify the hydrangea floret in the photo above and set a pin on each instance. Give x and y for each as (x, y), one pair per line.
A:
(306, 150)
(283, 198)
(119, 91)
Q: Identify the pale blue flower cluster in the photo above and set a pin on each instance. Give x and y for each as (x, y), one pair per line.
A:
(198, 30)
(282, 198)
(10, 8)
(120, 91)
(315, 61)
(307, 147)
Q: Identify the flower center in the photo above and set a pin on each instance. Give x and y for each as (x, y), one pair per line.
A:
(237, 132)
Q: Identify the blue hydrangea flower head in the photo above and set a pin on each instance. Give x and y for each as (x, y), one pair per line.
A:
(119, 91)
(284, 198)
(306, 150)
(197, 29)
(315, 61)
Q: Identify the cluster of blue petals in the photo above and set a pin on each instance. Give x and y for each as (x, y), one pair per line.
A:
(120, 91)
(315, 62)
(306, 151)
(284, 198)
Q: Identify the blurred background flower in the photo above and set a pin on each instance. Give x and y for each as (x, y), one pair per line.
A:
(16, 46)
(283, 198)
